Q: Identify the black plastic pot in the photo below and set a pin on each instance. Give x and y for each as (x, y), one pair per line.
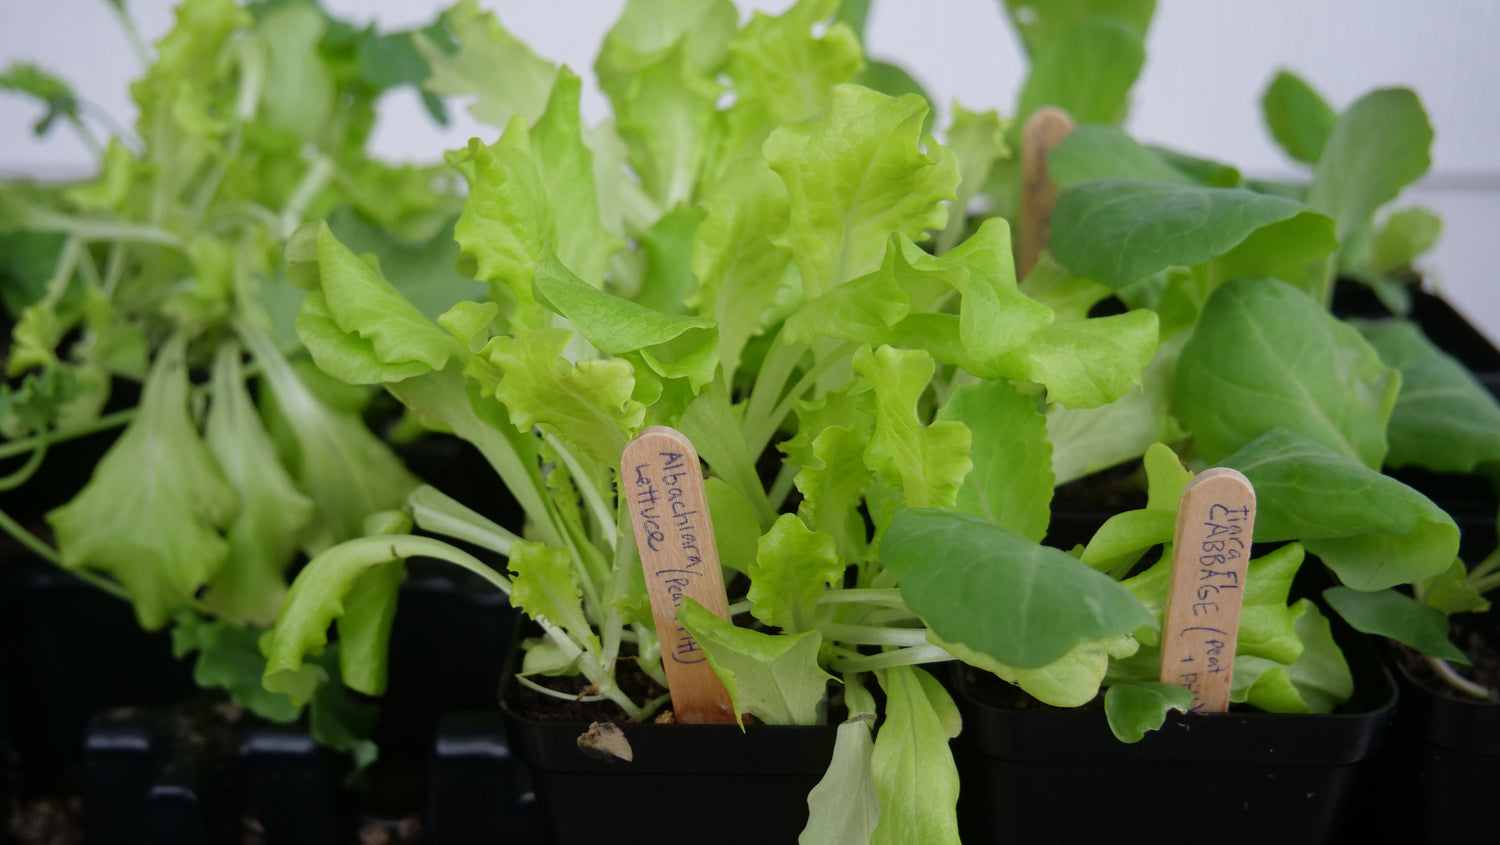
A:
(1044, 775)
(1437, 775)
(685, 783)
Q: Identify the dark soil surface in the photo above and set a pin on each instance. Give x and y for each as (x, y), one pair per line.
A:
(1478, 635)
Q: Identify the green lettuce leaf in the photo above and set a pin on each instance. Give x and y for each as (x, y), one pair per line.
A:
(1011, 484)
(773, 676)
(544, 585)
(855, 174)
(793, 567)
(915, 777)
(266, 532)
(154, 513)
(844, 806)
(787, 67)
(472, 67)
(1087, 71)
(927, 463)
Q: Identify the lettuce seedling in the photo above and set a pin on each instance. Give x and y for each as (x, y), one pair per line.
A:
(162, 271)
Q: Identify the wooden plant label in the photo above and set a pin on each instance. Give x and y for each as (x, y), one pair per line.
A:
(1211, 550)
(1044, 130)
(663, 486)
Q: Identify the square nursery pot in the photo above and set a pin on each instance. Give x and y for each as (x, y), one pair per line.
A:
(1040, 774)
(1437, 776)
(684, 783)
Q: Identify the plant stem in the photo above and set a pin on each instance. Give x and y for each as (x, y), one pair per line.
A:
(104, 423)
(313, 182)
(27, 470)
(900, 657)
(1457, 681)
(873, 635)
(889, 598)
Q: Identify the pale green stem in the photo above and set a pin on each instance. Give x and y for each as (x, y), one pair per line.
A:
(27, 470)
(758, 438)
(901, 657)
(740, 607)
(143, 52)
(889, 598)
(614, 620)
(313, 182)
(1459, 682)
(115, 420)
(780, 363)
(586, 486)
(41, 220)
(872, 635)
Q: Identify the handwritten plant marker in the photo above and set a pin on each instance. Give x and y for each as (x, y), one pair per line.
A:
(663, 486)
(1044, 130)
(1210, 553)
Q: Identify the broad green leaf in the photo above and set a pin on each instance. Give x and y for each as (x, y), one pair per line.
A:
(844, 806)
(667, 247)
(1104, 152)
(1373, 531)
(1387, 613)
(1087, 440)
(320, 595)
(740, 271)
(855, 174)
(736, 525)
(915, 777)
(773, 676)
(1444, 420)
(229, 659)
(1087, 363)
(1380, 145)
(1125, 536)
(507, 76)
(365, 626)
(785, 65)
(588, 404)
(1117, 230)
(1265, 355)
(154, 513)
(1298, 117)
(336, 460)
(675, 346)
(358, 327)
(927, 463)
(1134, 709)
(997, 593)
(301, 95)
(1453, 592)
(1041, 23)
(793, 567)
(544, 585)
(1404, 237)
(423, 271)
(264, 536)
(1318, 682)
(1087, 71)
(1011, 483)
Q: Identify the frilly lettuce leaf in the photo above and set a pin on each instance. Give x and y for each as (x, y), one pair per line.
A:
(927, 463)
(915, 777)
(792, 569)
(776, 677)
(154, 513)
(855, 174)
(1011, 483)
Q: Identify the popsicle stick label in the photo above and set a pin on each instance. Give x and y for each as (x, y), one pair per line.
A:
(1045, 129)
(662, 483)
(1210, 554)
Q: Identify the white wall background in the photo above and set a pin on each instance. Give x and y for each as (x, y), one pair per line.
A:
(1208, 61)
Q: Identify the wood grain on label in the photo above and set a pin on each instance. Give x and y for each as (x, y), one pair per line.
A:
(662, 483)
(1210, 553)
(1044, 130)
